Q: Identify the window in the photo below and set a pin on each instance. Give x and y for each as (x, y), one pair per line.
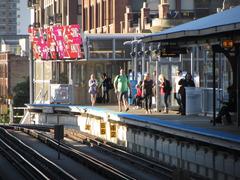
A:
(85, 19)
(110, 11)
(79, 10)
(91, 17)
(104, 13)
(98, 15)
(101, 49)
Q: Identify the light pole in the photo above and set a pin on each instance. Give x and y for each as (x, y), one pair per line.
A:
(30, 58)
(141, 54)
(135, 46)
(157, 97)
(134, 55)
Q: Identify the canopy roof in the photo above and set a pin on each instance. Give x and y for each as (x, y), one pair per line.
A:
(226, 21)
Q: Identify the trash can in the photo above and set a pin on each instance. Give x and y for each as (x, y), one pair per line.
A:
(193, 100)
(207, 94)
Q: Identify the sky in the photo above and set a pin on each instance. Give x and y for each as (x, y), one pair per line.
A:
(24, 17)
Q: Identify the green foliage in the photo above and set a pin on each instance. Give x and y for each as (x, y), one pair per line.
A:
(21, 93)
(4, 118)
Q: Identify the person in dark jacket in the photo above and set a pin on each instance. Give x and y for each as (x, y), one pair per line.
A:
(105, 88)
(187, 82)
(228, 107)
(147, 92)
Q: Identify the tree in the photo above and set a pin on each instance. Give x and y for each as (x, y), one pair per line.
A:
(21, 93)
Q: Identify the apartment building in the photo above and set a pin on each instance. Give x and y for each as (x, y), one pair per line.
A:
(14, 21)
(49, 12)
(140, 16)
(14, 17)
(8, 17)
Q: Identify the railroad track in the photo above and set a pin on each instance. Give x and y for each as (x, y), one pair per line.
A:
(115, 150)
(123, 154)
(146, 164)
(30, 163)
(83, 158)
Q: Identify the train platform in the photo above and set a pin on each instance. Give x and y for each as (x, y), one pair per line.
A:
(193, 124)
(188, 142)
(200, 121)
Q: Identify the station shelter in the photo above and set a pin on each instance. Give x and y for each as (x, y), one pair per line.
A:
(65, 80)
(217, 36)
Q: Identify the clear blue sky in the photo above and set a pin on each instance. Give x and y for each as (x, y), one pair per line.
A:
(24, 18)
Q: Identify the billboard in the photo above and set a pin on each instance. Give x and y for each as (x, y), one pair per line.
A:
(56, 42)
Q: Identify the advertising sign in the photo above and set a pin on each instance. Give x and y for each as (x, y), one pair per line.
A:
(56, 42)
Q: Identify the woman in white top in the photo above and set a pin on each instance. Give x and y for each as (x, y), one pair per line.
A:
(92, 83)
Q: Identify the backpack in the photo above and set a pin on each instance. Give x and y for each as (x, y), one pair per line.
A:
(167, 87)
(110, 84)
(119, 76)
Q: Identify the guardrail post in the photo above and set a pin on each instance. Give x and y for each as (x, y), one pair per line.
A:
(10, 102)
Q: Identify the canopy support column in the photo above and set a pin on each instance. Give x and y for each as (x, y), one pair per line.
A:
(214, 87)
(157, 86)
(135, 63)
(238, 83)
(143, 60)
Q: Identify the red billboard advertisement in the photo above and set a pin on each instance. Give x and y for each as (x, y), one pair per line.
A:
(56, 42)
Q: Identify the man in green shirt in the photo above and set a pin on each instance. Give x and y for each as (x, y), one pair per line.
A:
(121, 85)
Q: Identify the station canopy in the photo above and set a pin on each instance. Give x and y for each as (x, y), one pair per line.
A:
(212, 30)
(225, 23)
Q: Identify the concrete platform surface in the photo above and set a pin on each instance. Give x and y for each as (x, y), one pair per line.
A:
(191, 120)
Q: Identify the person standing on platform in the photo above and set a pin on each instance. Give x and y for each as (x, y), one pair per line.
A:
(105, 85)
(92, 83)
(137, 100)
(147, 92)
(176, 89)
(121, 86)
(229, 106)
(165, 90)
(187, 82)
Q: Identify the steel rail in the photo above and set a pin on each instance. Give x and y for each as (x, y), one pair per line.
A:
(28, 170)
(81, 157)
(142, 162)
(50, 169)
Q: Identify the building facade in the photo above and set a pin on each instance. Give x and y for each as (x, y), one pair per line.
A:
(14, 17)
(138, 16)
(49, 12)
(13, 70)
(72, 73)
(102, 16)
(14, 22)
(8, 17)
(115, 17)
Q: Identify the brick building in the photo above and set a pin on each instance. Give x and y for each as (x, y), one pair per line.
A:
(13, 69)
